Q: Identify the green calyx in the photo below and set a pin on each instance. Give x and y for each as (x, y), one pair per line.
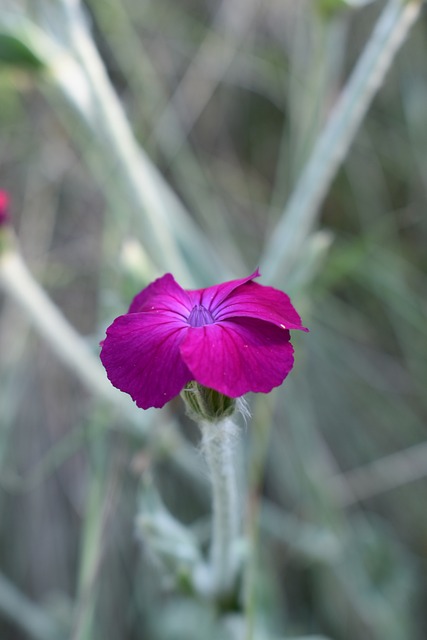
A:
(206, 404)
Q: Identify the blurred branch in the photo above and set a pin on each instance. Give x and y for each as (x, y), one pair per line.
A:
(311, 542)
(192, 177)
(172, 234)
(202, 77)
(257, 455)
(205, 71)
(75, 68)
(334, 141)
(18, 282)
(143, 181)
(97, 522)
(384, 474)
(26, 615)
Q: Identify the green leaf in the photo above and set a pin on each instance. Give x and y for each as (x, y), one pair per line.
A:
(15, 52)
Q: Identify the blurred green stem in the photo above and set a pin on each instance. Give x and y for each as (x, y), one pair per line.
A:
(334, 141)
(168, 229)
(133, 166)
(134, 187)
(219, 440)
(260, 437)
(379, 476)
(26, 615)
(96, 513)
(69, 346)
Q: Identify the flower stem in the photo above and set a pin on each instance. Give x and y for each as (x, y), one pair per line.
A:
(219, 443)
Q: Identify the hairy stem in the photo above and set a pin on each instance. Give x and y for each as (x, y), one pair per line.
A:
(219, 441)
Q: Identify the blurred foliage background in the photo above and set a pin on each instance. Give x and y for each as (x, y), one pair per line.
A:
(227, 100)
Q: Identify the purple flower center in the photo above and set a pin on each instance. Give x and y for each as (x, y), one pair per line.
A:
(200, 316)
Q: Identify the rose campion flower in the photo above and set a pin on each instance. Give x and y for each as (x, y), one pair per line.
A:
(232, 337)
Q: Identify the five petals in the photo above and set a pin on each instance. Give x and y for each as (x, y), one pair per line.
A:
(154, 350)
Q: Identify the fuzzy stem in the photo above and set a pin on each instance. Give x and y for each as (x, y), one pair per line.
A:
(219, 442)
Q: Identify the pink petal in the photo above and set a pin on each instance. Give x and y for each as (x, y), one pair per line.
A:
(142, 357)
(211, 297)
(258, 301)
(163, 293)
(238, 356)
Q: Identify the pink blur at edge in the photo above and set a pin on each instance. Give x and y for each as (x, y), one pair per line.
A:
(4, 208)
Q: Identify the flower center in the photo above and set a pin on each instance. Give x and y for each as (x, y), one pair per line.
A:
(199, 316)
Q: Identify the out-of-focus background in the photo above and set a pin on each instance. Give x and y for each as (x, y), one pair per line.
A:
(226, 99)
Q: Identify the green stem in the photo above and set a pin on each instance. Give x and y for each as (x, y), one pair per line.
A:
(17, 608)
(18, 282)
(169, 231)
(131, 182)
(334, 141)
(256, 464)
(219, 442)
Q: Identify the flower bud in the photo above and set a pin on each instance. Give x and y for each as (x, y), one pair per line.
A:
(206, 404)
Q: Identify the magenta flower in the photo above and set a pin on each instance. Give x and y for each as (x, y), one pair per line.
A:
(233, 337)
(4, 208)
